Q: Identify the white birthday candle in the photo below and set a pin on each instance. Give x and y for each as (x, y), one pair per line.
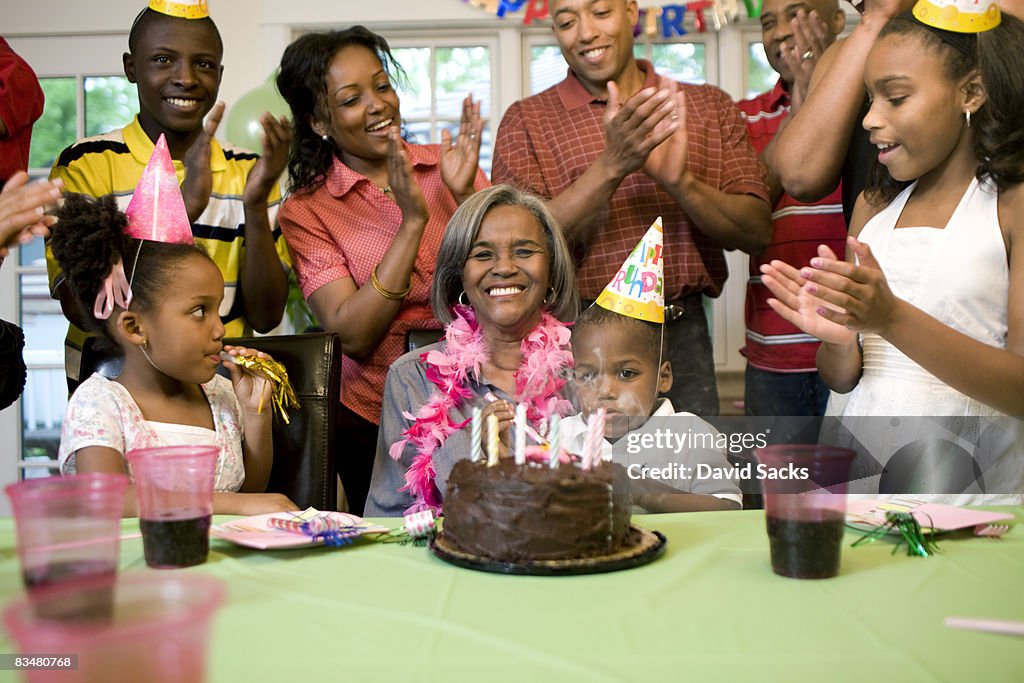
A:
(476, 449)
(592, 443)
(492, 440)
(602, 417)
(520, 423)
(555, 438)
(588, 443)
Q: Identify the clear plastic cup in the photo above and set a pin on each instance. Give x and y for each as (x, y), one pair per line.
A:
(69, 530)
(174, 487)
(805, 506)
(157, 630)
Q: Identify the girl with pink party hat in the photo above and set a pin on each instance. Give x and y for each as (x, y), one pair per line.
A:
(151, 292)
(926, 317)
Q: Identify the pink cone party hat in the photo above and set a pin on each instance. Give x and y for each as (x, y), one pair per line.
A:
(185, 9)
(638, 289)
(157, 210)
(959, 16)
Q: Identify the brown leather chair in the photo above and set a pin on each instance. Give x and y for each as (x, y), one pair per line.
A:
(304, 448)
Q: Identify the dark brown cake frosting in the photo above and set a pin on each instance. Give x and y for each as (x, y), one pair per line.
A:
(518, 513)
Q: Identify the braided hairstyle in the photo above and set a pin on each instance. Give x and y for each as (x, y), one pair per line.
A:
(89, 238)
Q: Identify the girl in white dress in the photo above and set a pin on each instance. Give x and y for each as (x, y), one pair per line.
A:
(158, 303)
(926, 318)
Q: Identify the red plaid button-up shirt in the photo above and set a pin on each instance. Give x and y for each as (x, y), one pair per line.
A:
(797, 229)
(547, 141)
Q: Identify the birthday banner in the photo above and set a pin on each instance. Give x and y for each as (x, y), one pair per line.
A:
(665, 20)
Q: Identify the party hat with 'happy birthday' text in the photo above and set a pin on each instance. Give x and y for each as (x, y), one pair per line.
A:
(959, 16)
(156, 211)
(638, 288)
(185, 9)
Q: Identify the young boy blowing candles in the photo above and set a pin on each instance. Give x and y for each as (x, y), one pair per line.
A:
(617, 348)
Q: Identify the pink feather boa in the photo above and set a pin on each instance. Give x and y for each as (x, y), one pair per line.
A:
(539, 382)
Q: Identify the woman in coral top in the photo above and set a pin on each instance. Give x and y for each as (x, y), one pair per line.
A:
(365, 217)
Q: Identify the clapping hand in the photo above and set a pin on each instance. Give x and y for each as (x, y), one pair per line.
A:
(277, 141)
(666, 163)
(404, 188)
(856, 296)
(21, 210)
(198, 183)
(460, 160)
(810, 40)
(800, 307)
(635, 127)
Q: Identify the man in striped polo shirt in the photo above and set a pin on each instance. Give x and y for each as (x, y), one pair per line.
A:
(231, 194)
(781, 377)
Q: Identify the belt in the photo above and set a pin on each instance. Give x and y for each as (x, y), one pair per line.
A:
(674, 310)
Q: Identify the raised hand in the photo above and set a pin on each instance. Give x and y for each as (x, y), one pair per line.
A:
(21, 210)
(252, 389)
(460, 160)
(404, 188)
(800, 307)
(666, 163)
(810, 40)
(635, 127)
(277, 141)
(858, 295)
(198, 176)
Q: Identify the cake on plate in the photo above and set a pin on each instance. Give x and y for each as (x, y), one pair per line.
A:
(529, 512)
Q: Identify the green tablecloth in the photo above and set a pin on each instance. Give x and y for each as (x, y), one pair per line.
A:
(709, 610)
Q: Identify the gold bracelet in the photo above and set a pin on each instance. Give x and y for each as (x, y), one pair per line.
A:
(387, 293)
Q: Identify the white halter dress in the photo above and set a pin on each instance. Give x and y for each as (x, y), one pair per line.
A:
(960, 276)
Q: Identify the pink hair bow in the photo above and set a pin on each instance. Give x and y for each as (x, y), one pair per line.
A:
(114, 290)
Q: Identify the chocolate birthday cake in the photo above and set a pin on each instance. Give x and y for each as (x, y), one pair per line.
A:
(521, 513)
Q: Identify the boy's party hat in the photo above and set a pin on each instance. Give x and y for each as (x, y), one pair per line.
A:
(186, 9)
(959, 16)
(638, 289)
(157, 210)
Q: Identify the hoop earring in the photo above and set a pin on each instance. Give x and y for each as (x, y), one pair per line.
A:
(967, 117)
(464, 303)
(549, 296)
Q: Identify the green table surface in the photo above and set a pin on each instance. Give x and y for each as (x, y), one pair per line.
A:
(710, 609)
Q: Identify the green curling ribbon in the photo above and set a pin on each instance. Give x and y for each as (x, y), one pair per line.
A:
(753, 8)
(919, 543)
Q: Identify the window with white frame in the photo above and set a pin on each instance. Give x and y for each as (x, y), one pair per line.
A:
(441, 71)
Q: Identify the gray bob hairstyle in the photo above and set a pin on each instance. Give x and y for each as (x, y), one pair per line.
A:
(458, 240)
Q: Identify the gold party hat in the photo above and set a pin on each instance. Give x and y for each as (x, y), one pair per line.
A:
(959, 16)
(185, 9)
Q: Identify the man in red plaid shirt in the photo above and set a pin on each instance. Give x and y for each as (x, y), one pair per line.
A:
(613, 147)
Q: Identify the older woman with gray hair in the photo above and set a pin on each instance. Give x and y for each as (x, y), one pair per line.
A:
(504, 280)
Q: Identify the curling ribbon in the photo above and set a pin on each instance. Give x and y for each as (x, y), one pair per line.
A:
(919, 543)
